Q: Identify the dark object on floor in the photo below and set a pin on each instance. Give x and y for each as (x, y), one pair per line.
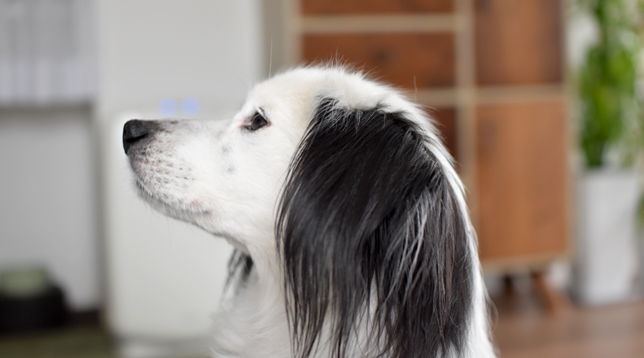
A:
(33, 312)
(89, 342)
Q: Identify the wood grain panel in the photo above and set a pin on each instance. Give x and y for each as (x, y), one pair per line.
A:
(445, 118)
(405, 60)
(518, 42)
(327, 7)
(522, 179)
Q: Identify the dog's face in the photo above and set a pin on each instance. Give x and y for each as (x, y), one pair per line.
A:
(226, 175)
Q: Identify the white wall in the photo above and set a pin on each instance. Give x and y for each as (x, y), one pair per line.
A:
(152, 49)
(147, 50)
(47, 197)
(164, 277)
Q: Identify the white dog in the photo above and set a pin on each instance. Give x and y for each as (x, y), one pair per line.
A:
(351, 232)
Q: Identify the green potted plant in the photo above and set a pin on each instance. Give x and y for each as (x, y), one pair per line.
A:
(611, 141)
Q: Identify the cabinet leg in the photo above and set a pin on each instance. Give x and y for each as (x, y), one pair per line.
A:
(554, 301)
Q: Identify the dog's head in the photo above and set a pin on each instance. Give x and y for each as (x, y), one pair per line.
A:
(340, 187)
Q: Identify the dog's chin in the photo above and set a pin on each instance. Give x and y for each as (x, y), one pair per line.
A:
(196, 215)
(172, 207)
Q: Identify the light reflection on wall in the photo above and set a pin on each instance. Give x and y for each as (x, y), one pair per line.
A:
(189, 107)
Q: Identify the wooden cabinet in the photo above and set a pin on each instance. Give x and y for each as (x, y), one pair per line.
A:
(521, 129)
(521, 171)
(491, 74)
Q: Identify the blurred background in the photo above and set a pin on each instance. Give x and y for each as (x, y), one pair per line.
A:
(539, 102)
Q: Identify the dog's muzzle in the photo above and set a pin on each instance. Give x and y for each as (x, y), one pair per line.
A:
(137, 133)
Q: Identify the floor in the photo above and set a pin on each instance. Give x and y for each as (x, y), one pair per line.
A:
(521, 327)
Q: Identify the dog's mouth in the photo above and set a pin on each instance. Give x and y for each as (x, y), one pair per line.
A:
(164, 184)
(167, 204)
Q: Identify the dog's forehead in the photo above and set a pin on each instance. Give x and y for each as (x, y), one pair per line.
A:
(283, 91)
(304, 87)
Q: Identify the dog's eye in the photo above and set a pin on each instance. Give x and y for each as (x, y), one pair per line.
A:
(257, 122)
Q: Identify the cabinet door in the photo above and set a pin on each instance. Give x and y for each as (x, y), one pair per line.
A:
(522, 179)
(445, 122)
(518, 42)
(410, 60)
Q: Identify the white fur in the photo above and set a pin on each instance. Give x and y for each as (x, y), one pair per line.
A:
(227, 180)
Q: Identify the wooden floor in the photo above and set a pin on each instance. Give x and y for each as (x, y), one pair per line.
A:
(523, 329)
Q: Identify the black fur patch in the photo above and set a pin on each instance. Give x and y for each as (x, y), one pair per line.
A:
(368, 209)
(240, 266)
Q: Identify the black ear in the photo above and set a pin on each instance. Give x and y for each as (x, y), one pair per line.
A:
(368, 217)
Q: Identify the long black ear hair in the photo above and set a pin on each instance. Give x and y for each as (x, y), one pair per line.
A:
(373, 239)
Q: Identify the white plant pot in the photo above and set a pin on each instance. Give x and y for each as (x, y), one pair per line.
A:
(607, 256)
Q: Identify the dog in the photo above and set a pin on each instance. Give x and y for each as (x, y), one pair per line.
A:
(349, 223)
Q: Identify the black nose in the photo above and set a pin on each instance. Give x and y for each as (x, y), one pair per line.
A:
(135, 131)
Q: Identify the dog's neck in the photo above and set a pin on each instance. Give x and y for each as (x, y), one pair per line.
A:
(253, 324)
(252, 321)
